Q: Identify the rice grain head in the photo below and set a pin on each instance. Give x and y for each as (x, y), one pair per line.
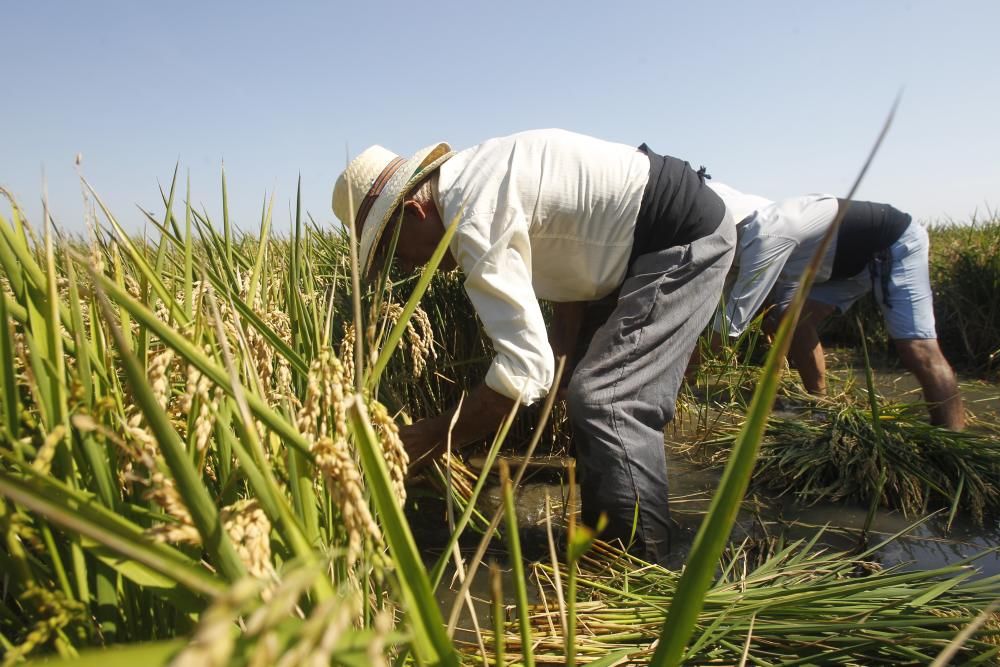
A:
(344, 482)
(54, 612)
(323, 421)
(250, 531)
(395, 454)
(213, 642)
(180, 531)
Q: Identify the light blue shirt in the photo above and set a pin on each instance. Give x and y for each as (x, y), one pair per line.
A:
(774, 243)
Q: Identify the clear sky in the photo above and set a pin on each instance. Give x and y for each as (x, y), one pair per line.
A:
(775, 98)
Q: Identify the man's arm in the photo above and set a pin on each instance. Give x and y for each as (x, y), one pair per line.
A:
(567, 318)
(481, 414)
(805, 350)
(494, 253)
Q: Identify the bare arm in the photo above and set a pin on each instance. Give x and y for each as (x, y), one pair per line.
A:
(567, 318)
(484, 409)
(806, 351)
(481, 414)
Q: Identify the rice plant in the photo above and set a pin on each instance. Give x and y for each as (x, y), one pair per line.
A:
(199, 463)
(176, 423)
(799, 606)
(837, 452)
(965, 273)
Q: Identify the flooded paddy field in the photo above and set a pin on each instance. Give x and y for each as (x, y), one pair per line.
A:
(768, 519)
(156, 488)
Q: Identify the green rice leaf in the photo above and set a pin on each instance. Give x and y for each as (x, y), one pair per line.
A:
(430, 641)
(147, 654)
(188, 256)
(139, 260)
(204, 513)
(193, 355)
(470, 503)
(613, 658)
(258, 264)
(9, 396)
(228, 235)
(396, 334)
(89, 520)
(513, 540)
(711, 538)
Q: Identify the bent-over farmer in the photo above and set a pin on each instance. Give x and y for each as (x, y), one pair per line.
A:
(574, 220)
(877, 248)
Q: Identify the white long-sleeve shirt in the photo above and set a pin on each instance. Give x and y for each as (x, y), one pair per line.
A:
(545, 214)
(740, 205)
(774, 242)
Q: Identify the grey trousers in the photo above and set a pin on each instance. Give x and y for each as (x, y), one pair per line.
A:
(623, 390)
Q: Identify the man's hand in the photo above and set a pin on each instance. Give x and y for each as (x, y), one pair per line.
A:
(481, 414)
(424, 441)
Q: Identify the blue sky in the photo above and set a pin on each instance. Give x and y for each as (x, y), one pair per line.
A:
(775, 98)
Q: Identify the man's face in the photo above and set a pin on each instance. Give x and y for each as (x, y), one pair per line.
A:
(420, 233)
(410, 252)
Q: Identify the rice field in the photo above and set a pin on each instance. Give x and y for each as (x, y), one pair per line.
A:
(200, 465)
(837, 451)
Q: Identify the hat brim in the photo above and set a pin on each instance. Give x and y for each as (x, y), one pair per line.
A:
(415, 169)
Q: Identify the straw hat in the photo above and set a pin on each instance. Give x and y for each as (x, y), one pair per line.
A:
(374, 184)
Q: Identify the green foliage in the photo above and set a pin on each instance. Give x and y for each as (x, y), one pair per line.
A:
(830, 455)
(799, 606)
(965, 275)
(175, 430)
(186, 468)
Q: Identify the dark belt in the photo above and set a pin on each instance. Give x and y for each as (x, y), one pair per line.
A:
(881, 263)
(677, 208)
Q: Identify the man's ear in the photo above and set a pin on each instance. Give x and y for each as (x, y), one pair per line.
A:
(415, 208)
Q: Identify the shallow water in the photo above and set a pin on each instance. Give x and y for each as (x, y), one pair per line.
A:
(926, 544)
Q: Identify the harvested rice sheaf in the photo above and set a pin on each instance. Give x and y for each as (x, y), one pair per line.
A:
(836, 453)
(800, 606)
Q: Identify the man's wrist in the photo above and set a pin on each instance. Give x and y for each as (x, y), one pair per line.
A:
(440, 426)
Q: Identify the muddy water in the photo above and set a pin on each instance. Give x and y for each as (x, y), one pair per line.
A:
(924, 545)
(928, 545)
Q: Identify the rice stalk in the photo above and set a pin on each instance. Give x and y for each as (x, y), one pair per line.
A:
(831, 457)
(183, 455)
(711, 538)
(182, 401)
(803, 606)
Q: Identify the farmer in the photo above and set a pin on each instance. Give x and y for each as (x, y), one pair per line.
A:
(573, 220)
(877, 248)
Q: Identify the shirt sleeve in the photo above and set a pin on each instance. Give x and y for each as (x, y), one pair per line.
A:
(761, 262)
(494, 251)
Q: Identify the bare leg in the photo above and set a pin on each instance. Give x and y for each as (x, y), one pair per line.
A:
(924, 359)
